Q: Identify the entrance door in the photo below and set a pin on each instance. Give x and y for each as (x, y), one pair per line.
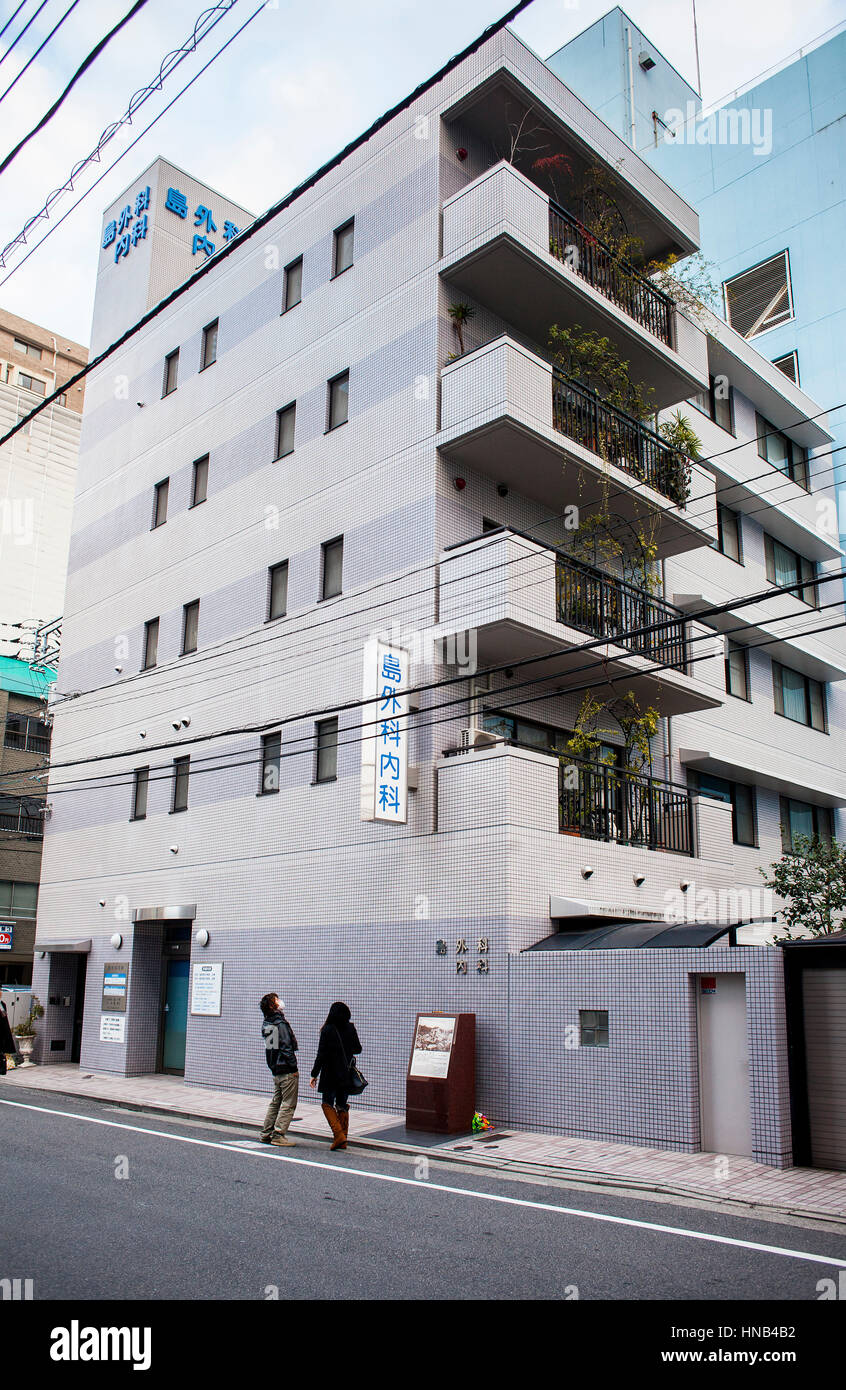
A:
(78, 1006)
(175, 1016)
(824, 999)
(723, 1064)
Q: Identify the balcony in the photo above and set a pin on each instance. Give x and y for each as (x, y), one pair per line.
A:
(506, 413)
(524, 600)
(603, 802)
(19, 819)
(507, 246)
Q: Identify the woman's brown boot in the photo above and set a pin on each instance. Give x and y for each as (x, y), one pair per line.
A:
(338, 1140)
(344, 1117)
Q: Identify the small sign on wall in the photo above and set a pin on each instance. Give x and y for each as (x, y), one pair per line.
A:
(707, 984)
(7, 935)
(112, 1027)
(115, 986)
(207, 988)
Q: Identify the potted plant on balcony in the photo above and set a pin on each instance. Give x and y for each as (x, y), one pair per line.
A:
(686, 448)
(24, 1032)
(461, 314)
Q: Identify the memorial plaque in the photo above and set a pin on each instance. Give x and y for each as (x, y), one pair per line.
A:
(440, 1087)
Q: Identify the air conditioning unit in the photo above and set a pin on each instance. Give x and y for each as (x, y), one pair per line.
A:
(478, 738)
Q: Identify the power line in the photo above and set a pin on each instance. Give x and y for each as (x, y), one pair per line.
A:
(202, 26)
(16, 41)
(43, 45)
(12, 17)
(84, 65)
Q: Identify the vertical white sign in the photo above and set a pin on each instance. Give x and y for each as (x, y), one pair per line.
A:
(384, 744)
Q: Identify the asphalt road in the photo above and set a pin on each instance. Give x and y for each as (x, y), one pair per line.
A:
(204, 1214)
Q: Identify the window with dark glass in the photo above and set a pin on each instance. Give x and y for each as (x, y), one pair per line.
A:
(29, 348)
(200, 481)
(800, 818)
(343, 256)
(271, 762)
(181, 774)
(744, 827)
(18, 899)
(799, 698)
(277, 602)
(787, 567)
(285, 428)
(737, 669)
(151, 643)
(171, 369)
(332, 567)
(27, 733)
(326, 738)
(729, 533)
(293, 284)
(717, 402)
(209, 352)
(190, 626)
(593, 1027)
(338, 402)
(32, 383)
(160, 503)
(790, 458)
(139, 793)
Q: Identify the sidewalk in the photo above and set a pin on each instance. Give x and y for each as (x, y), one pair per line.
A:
(803, 1192)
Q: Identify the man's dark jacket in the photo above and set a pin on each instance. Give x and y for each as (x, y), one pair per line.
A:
(280, 1045)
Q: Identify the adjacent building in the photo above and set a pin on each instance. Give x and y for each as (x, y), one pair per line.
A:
(327, 638)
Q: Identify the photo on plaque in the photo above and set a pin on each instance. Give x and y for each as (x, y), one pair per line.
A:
(432, 1046)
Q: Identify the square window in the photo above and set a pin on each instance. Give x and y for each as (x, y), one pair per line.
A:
(151, 643)
(277, 603)
(271, 761)
(160, 503)
(190, 627)
(326, 737)
(171, 370)
(293, 285)
(200, 481)
(343, 254)
(286, 421)
(181, 774)
(332, 568)
(759, 298)
(24, 899)
(338, 402)
(139, 793)
(593, 1027)
(209, 352)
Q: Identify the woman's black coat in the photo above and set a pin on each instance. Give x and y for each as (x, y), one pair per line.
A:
(336, 1049)
(7, 1042)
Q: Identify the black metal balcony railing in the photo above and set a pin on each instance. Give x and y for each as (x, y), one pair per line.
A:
(21, 823)
(620, 439)
(608, 803)
(618, 281)
(606, 606)
(26, 741)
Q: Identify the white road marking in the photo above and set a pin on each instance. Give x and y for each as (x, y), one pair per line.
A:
(263, 1153)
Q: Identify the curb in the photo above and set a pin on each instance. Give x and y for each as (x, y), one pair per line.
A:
(577, 1176)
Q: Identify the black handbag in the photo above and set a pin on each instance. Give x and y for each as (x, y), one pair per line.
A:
(356, 1080)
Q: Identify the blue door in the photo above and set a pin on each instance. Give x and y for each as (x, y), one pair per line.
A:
(175, 1016)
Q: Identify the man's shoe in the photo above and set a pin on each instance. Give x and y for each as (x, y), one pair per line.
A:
(283, 1142)
(262, 1139)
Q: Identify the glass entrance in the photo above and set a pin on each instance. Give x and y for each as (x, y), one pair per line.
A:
(175, 1016)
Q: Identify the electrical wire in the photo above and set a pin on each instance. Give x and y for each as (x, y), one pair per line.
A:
(38, 50)
(12, 17)
(16, 41)
(83, 67)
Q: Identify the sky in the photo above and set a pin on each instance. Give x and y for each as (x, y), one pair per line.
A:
(289, 91)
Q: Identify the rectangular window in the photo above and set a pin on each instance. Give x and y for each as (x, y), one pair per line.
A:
(760, 297)
(293, 285)
(28, 348)
(32, 383)
(593, 1027)
(729, 533)
(286, 420)
(786, 567)
(271, 761)
(18, 899)
(781, 452)
(277, 601)
(326, 735)
(151, 643)
(27, 733)
(743, 812)
(139, 793)
(200, 482)
(789, 364)
(717, 402)
(62, 399)
(190, 626)
(737, 670)
(332, 568)
(800, 818)
(343, 255)
(160, 503)
(338, 401)
(181, 773)
(799, 698)
(209, 352)
(171, 369)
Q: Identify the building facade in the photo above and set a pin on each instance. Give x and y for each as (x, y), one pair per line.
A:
(349, 429)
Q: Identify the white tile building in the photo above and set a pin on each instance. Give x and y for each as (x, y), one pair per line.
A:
(321, 395)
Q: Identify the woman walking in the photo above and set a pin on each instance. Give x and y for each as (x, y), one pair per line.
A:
(338, 1045)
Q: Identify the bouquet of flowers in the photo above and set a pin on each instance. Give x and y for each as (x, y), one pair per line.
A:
(481, 1123)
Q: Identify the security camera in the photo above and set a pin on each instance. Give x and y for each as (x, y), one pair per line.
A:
(177, 724)
(587, 871)
(118, 669)
(186, 722)
(685, 884)
(102, 902)
(142, 733)
(174, 849)
(639, 879)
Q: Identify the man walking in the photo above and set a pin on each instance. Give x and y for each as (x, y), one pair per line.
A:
(281, 1053)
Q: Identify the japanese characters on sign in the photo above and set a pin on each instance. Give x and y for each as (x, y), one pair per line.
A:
(462, 951)
(384, 745)
(130, 226)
